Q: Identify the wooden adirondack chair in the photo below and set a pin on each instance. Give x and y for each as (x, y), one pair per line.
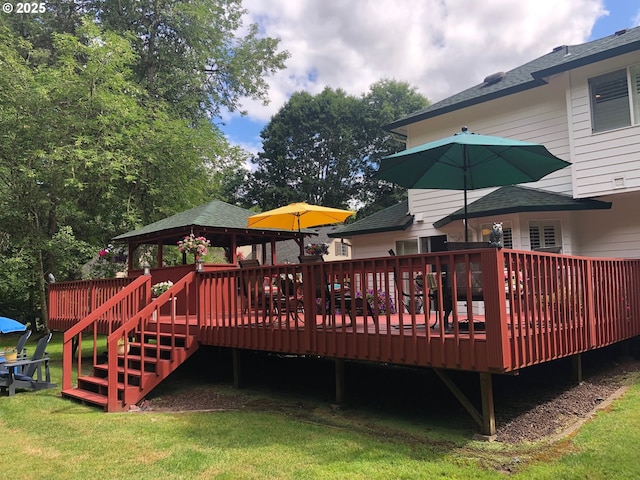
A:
(20, 374)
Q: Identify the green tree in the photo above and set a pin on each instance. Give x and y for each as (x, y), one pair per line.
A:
(190, 53)
(326, 148)
(386, 101)
(86, 152)
(311, 152)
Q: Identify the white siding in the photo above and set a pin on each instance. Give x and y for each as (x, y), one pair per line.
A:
(377, 244)
(538, 115)
(610, 233)
(602, 160)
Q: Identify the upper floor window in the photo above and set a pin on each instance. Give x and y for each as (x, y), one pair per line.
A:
(615, 99)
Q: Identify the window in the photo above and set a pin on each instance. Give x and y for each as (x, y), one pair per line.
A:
(615, 99)
(544, 234)
(434, 243)
(342, 249)
(406, 247)
(507, 233)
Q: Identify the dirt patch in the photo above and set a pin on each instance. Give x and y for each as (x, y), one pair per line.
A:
(537, 404)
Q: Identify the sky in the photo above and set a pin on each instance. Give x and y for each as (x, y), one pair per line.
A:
(441, 47)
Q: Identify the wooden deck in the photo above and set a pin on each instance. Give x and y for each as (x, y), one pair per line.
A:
(509, 310)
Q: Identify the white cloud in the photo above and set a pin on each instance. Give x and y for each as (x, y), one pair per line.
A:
(636, 19)
(439, 46)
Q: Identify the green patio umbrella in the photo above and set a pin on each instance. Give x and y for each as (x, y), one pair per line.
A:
(468, 161)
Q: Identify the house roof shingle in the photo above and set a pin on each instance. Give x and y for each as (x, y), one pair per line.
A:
(529, 75)
(519, 199)
(390, 219)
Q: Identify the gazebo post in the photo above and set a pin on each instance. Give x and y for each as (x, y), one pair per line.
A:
(160, 254)
(273, 251)
(264, 252)
(234, 248)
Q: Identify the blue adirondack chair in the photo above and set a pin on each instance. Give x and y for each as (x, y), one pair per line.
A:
(28, 373)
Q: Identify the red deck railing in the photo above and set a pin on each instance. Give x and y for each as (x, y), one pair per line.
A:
(512, 309)
(70, 302)
(509, 309)
(105, 318)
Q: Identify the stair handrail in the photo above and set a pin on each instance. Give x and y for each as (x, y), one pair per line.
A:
(140, 288)
(122, 333)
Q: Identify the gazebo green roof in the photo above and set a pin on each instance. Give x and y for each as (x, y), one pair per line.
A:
(217, 220)
(519, 199)
(393, 218)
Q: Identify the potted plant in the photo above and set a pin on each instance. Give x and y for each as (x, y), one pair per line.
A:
(122, 346)
(159, 288)
(10, 354)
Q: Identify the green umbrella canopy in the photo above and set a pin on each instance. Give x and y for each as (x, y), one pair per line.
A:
(468, 161)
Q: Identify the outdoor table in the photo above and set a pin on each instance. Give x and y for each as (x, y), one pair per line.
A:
(11, 367)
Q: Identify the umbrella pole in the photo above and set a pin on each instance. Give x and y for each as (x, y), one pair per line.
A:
(466, 227)
(465, 164)
(301, 237)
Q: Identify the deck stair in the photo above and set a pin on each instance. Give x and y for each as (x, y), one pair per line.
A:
(152, 356)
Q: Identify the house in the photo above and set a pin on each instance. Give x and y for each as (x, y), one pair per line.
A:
(579, 101)
(583, 103)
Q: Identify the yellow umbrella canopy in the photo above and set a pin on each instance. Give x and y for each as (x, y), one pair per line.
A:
(296, 216)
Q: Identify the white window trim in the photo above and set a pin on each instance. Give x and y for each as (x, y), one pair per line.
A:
(633, 97)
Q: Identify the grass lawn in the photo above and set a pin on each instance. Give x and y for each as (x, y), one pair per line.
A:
(46, 437)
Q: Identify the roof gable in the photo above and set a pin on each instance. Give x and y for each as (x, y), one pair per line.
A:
(529, 75)
(393, 218)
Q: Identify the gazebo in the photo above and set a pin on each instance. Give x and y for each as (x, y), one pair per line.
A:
(223, 224)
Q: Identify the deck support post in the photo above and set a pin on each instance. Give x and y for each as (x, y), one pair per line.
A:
(488, 410)
(464, 401)
(576, 365)
(237, 370)
(340, 392)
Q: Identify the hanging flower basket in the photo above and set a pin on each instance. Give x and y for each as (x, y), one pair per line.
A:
(195, 245)
(317, 248)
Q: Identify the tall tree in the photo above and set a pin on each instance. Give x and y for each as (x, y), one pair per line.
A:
(326, 148)
(311, 152)
(387, 100)
(190, 53)
(85, 151)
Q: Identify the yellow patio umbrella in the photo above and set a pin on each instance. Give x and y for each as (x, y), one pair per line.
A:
(297, 216)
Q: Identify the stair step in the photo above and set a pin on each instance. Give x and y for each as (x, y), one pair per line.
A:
(86, 396)
(138, 358)
(149, 346)
(179, 339)
(131, 371)
(102, 382)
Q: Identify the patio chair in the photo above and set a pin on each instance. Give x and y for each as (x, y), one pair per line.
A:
(289, 301)
(335, 298)
(251, 284)
(22, 376)
(435, 285)
(411, 305)
(320, 282)
(22, 341)
(415, 303)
